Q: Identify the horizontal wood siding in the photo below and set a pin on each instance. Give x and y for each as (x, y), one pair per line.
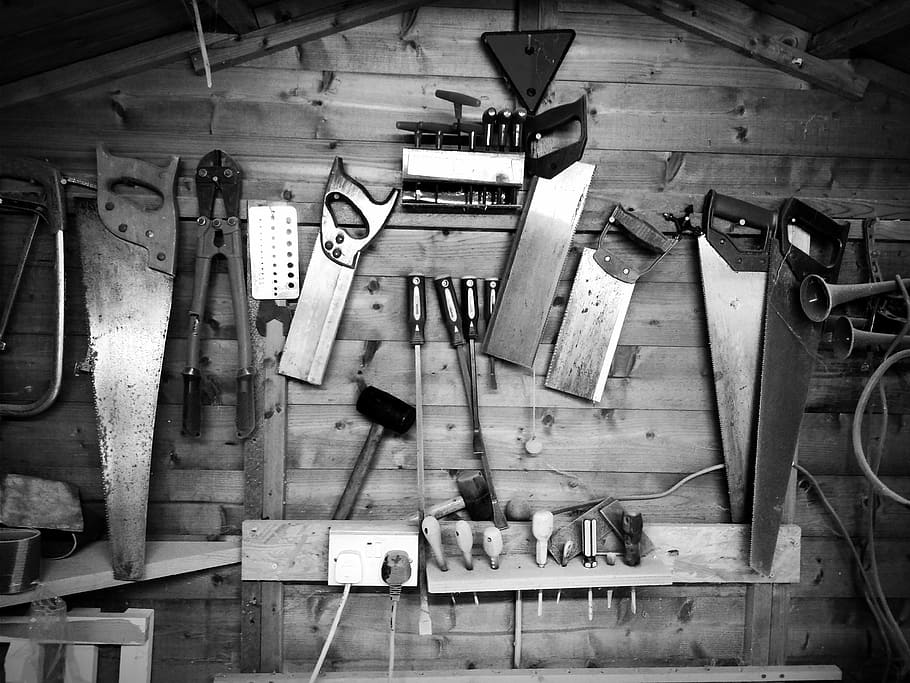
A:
(670, 115)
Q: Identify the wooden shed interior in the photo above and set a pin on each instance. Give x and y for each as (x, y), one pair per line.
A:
(757, 100)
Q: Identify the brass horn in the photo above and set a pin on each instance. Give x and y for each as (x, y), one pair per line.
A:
(845, 338)
(817, 297)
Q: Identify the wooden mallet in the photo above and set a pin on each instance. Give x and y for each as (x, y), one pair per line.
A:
(386, 412)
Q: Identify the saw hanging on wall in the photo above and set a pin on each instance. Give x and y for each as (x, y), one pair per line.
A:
(329, 275)
(807, 243)
(127, 252)
(733, 253)
(598, 304)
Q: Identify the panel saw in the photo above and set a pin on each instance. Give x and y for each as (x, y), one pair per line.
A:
(128, 261)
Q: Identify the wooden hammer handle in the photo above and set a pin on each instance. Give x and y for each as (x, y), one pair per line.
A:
(362, 467)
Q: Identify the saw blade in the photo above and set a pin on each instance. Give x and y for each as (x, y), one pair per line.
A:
(734, 308)
(590, 331)
(128, 307)
(315, 323)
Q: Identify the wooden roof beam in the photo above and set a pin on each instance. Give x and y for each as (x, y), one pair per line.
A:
(237, 14)
(861, 28)
(737, 26)
(90, 72)
(323, 21)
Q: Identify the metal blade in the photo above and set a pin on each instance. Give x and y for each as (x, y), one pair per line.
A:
(590, 331)
(734, 307)
(128, 308)
(315, 323)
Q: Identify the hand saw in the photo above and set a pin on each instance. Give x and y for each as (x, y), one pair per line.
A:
(733, 252)
(598, 303)
(807, 242)
(329, 276)
(128, 265)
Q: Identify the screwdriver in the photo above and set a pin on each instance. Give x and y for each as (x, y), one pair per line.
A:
(417, 318)
(490, 296)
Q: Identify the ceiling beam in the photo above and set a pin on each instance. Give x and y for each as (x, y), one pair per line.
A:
(871, 23)
(319, 23)
(889, 79)
(735, 25)
(237, 14)
(89, 72)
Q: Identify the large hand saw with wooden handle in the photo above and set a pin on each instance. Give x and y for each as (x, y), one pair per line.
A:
(807, 242)
(733, 252)
(598, 303)
(128, 261)
(329, 276)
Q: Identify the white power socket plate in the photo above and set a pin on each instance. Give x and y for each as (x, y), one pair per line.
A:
(372, 542)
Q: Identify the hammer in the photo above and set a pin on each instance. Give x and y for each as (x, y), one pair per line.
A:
(386, 412)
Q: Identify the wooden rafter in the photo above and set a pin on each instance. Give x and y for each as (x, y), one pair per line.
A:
(321, 22)
(235, 13)
(738, 27)
(89, 72)
(872, 23)
(890, 80)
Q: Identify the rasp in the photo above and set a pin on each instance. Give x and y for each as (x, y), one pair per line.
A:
(329, 276)
(128, 263)
(733, 252)
(807, 242)
(598, 302)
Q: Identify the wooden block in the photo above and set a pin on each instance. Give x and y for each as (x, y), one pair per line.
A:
(539, 249)
(297, 550)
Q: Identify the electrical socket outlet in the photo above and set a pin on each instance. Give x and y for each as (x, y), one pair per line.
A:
(371, 541)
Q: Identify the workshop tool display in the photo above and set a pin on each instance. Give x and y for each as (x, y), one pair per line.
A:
(217, 173)
(452, 317)
(539, 250)
(329, 276)
(733, 253)
(480, 167)
(128, 263)
(528, 59)
(42, 203)
(386, 413)
(598, 303)
(807, 242)
(274, 258)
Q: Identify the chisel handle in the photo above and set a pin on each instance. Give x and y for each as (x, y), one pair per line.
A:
(245, 418)
(192, 402)
(417, 308)
(464, 538)
(490, 297)
(470, 303)
(492, 545)
(433, 533)
(448, 305)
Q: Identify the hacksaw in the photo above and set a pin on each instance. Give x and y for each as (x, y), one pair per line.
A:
(539, 250)
(128, 261)
(733, 252)
(329, 276)
(598, 304)
(807, 242)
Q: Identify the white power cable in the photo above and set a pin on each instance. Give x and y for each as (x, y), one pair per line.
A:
(331, 636)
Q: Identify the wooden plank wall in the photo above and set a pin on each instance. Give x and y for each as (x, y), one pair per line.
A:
(670, 116)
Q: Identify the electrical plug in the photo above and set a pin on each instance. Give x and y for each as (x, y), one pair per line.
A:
(348, 567)
(396, 569)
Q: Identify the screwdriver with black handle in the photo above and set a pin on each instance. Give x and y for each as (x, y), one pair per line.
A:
(490, 297)
(417, 318)
(451, 315)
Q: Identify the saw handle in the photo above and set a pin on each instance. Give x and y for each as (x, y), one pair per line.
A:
(734, 248)
(629, 268)
(555, 162)
(827, 241)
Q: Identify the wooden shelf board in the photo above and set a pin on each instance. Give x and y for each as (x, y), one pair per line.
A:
(90, 568)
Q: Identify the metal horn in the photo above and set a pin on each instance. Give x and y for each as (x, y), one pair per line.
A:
(817, 297)
(845, 338)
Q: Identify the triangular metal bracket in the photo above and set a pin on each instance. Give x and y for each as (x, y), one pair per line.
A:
(529, 59)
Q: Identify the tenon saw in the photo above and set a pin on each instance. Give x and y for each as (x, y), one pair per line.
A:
(128, 266)
(733, 252)
(598, 304)
(807, 242)
(329, 276)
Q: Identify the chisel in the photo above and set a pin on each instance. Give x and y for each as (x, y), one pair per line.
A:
(417, 317)
(451, 315)
(470, 302)
(490, 296)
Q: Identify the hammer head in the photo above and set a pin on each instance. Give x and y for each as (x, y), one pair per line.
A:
(387, 411)
(473, 488)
